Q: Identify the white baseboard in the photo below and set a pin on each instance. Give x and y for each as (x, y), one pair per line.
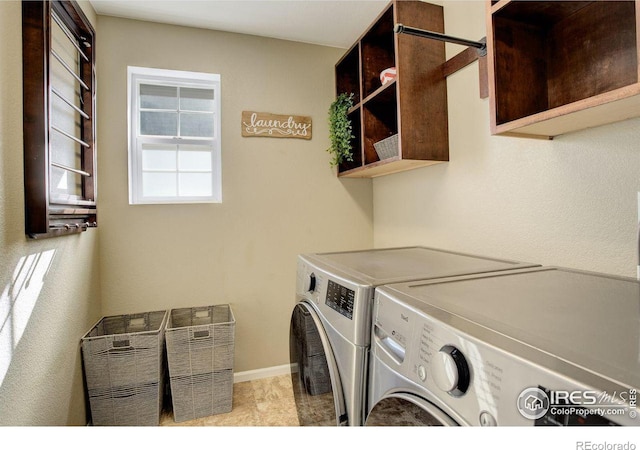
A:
(257, 374)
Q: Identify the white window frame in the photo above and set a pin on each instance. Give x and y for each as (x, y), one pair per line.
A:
(138, 75)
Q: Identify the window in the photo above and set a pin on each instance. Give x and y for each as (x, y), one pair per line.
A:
(59, 127)
(174, 137)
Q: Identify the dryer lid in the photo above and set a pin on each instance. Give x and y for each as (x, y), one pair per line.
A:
(395, 265)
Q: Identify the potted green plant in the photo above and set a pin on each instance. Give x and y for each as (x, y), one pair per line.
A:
(340, 131)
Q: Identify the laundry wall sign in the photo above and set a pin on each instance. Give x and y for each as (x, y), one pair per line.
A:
(275, 125)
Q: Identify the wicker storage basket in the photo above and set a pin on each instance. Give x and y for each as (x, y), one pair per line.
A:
(387, 148)
(200, 347)
(124, 364)
(202, 395)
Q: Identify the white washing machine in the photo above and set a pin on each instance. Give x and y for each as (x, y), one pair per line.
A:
(540, 346)
(331, 322)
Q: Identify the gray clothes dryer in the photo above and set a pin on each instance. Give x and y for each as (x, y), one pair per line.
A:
(533, 347)
(330, 326)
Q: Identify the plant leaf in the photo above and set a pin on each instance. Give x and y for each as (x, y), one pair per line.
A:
(340, 129)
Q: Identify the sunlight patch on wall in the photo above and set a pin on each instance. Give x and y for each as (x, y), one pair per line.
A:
(17, 302)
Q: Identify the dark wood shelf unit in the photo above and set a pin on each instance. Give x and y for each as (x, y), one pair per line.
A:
(413, 106)
(557, 67)
(59, 119)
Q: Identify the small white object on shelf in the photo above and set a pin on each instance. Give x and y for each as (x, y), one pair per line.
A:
(388, 75)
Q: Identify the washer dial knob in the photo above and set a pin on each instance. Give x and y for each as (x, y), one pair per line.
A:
(451, 371)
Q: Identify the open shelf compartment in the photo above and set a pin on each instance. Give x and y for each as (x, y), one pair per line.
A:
(380, 118)
(551, 59)
(348, 74)
(378, 52)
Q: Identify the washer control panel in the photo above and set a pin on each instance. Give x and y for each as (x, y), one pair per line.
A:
(463, 370)
(342, 301)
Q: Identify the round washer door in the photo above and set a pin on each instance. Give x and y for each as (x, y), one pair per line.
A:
(314, 374)
(402, 409)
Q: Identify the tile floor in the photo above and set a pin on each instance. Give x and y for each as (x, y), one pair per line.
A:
(266, 402)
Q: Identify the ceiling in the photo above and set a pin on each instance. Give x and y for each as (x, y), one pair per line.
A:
(334, 23)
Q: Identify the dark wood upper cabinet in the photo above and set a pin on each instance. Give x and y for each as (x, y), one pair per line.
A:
(412, 108)
(562, 66)
(59, 119)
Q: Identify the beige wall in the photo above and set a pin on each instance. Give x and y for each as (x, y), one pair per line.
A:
(570, 202)
(49, 289)
(280, 197)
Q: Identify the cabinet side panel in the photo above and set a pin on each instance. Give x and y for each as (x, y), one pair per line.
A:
(35, 87)
(422, 89)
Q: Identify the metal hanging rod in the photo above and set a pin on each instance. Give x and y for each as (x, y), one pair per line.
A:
(66, 31)
(481, 46)
(70, 70)
(71, 169)
(70, 136)
(68, 102)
